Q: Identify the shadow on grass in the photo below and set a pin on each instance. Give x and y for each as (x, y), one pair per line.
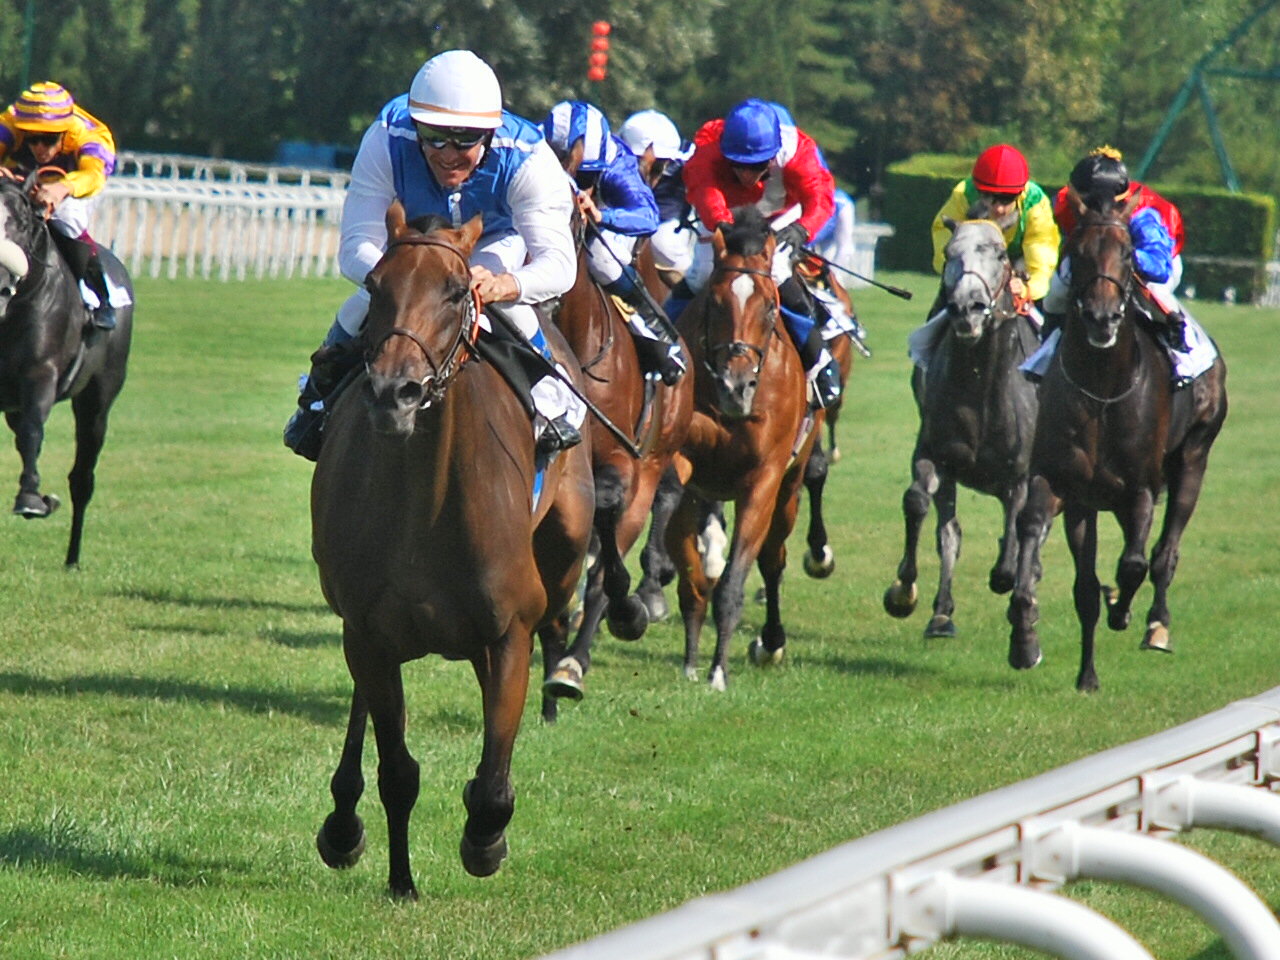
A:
(318, 709)
(221, 603)
(61, 847)
(304, 640)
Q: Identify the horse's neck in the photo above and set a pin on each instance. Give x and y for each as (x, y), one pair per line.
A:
(1104, 371)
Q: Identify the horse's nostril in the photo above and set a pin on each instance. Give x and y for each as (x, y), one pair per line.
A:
(409, 394)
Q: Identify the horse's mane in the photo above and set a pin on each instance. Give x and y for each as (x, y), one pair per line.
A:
(748, 232)
(430, 222)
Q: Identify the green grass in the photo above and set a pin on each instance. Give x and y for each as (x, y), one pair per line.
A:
(170, 714)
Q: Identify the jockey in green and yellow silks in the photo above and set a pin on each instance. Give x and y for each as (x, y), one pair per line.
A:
(1022, 209)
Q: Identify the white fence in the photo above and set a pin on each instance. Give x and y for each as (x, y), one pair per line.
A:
(987, 867)
(165, 215)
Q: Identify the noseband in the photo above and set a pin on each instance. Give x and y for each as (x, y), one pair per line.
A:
(988, 312)
(1126, 286)
(737, 348)
(435, 383)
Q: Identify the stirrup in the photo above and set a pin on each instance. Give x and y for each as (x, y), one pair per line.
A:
(826, 386)
(103, 317)
(559, 434)
(304, 432)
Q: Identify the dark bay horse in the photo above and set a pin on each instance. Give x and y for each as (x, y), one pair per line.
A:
(977, 418)
(749, 442)
(431, 537)
(1112, 435)
(657, 418)
(49, 352)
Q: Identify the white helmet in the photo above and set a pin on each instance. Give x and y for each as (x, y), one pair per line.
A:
(456, 89)
(649, 127)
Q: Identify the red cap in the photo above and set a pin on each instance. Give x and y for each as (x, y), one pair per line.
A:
(1001, 169)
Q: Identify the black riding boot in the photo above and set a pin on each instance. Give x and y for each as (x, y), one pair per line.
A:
(332, 368)
(658, 353)
(81, 255)
(824, 374)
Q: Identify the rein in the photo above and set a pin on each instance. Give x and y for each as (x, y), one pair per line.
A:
(435, 383)
(738, 348)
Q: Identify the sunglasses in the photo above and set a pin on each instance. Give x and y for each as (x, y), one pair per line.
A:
(43, 139)
(461, 138)
(1002, 198)
(753, 167)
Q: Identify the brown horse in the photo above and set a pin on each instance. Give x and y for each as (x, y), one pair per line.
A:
(1112, 434)
(430, 538)
(657, 416)
(749, 442)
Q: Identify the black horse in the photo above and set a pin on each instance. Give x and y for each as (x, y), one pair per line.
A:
(977, 418)
(49, 351)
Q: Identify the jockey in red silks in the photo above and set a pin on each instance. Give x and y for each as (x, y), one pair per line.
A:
(45, 127)
(733, 161)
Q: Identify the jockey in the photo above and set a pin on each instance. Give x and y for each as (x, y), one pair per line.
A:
(448, 147)
(654, 139)
(45, 128)
(732, 162)
(620, 209)
(1001, 182)
(1155, 228)
(835, 240)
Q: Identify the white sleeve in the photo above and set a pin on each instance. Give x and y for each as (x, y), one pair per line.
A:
(364, 211)
(541, 206)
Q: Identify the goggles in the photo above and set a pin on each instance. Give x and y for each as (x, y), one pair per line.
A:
(1004, 199)
(43, 139)
(461, 138)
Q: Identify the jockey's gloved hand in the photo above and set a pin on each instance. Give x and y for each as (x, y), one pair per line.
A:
(794, 236)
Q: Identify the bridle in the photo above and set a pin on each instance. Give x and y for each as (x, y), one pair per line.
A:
(1126, 286)
(737, 348)
(437, 381)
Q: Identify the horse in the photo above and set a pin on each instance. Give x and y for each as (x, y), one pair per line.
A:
(750, 439)
(1112, 434)
(977, 418)
(657, 417)
(49, 351)
(432, 534)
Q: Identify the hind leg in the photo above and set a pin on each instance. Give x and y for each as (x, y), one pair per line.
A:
(819, 560)
(565, 670)
(693, 587)
(1033, 523)
(655, 562)
(27, 424)
(1006, 567)
(948, 545)
(1186, 475)
(91, 432)
(1081, 527)
(1131, 570)
(900, 598)
(340, 841)
(769, 647)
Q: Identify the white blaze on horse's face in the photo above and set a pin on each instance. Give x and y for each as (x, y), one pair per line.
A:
(973, 276)
(743, 287)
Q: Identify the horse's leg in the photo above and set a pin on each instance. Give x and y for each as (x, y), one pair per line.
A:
(655, 562)
(1006, 567)
(833, 415)
(552, 639)
(380, 685)
(1081, 527)
(1033, 523)
(900, 597)
(693, 587)
(503, 672)
(753, 516)
(90, 411)
(27, 425)
(1131, 570)
(948, 544)
(341, 838)
(1185, 473)
(819, 560)
(564, 670)
(627, 615)
(768, 648)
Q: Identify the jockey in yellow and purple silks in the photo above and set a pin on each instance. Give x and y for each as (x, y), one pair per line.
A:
(44, 127)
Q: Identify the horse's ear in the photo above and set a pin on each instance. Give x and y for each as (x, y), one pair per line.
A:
(1130, 206)
(949, 224)
(470, 232)
(1077, 203)
(396, 226)
(717, 242)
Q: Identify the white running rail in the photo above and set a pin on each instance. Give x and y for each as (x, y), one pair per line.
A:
(988, 867)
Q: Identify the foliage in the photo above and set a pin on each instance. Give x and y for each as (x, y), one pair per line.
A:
(1230, 237)
(915, 190)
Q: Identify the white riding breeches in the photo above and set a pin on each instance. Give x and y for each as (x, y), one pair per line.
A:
(71, 217)
(672, 246)
(606, 253)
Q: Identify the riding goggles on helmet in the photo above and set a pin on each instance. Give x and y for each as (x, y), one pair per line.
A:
(437, 138)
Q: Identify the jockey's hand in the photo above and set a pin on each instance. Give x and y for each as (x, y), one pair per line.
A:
(587, 207)
(1017, 287)
(51, 194)
(794, 236)
(494, 287)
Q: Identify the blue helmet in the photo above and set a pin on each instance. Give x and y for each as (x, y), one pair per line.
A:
(752, 133)
(572, 120)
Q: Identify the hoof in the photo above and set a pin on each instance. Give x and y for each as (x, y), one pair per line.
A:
(691, 673)
(33, 506)
(331, 855)
(762, 657)
(1157, 638)
(900, 600)
(1025, 657)
(940, 627)
(565, 681)
(1117, 619)
(820, 568)
(483, 861)
(655, 605)
(1087, 682)
(1000, 581)
(403, 893)
(834, 455)
(718, 681)
(631, 624)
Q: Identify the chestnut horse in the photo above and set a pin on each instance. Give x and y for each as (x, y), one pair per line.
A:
(657, 417)
(1112, 435)
(49, 352)
(977, 418)
(749, 442)
(432, 536)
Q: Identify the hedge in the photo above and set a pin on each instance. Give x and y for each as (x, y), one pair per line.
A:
(1230, 236)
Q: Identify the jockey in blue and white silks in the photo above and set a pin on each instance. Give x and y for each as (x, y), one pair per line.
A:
(620, 209)
(447, 147)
